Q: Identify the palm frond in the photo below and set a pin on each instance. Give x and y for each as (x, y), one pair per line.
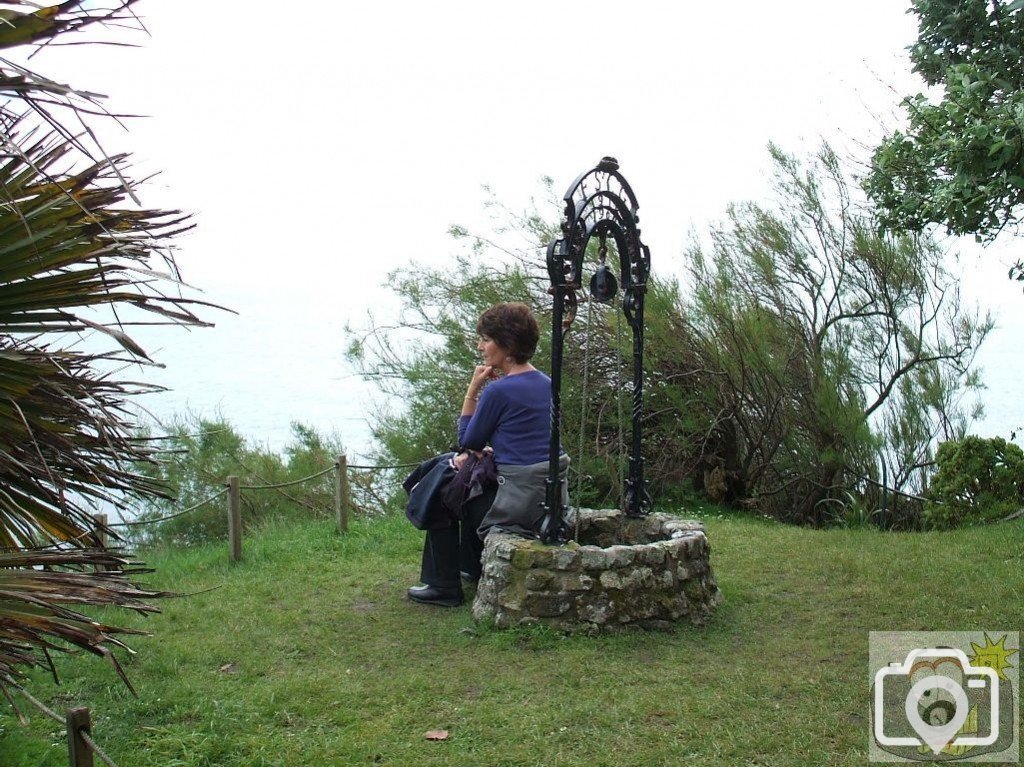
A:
(76, 271)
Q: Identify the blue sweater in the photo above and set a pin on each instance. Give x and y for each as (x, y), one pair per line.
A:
(513, 415)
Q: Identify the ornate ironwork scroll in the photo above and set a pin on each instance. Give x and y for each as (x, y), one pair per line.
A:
(599, 203)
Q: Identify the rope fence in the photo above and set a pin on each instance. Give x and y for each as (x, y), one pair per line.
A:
(82, 748)
(331, 468)
(78, 724)
(40, 705)
(233, 488)
(395, 466)
(84, 735)
(190, 509)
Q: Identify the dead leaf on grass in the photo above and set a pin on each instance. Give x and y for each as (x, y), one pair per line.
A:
(436, 735)
(229, 668)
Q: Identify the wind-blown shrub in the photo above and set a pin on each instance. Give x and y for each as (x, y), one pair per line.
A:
(978, 480)
(201, 454)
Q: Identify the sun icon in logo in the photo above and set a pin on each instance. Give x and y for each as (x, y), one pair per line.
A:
(994, 655)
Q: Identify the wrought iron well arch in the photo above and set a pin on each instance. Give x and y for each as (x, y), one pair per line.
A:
(599, 203)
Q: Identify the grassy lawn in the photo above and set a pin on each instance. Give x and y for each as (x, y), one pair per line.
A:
(307, 653)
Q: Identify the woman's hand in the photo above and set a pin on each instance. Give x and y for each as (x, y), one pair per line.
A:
(481, 375)
(462, 457)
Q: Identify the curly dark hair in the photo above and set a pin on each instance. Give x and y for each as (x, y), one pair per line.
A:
(513, 327)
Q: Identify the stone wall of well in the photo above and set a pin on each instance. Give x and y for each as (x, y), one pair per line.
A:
(651, 572)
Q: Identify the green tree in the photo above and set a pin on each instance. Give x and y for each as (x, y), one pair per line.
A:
(821, 348)
(960, 162)
(78, 256)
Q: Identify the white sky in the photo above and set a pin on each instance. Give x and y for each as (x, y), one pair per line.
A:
(322, 144)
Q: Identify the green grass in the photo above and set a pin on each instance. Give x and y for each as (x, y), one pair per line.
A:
(330, 665)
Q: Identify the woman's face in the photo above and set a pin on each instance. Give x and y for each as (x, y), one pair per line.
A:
(491, 353)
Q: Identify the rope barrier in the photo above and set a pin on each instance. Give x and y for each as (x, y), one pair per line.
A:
(289, 484)
(583, 408)
(40, 705)
(61, 720)
(96, 749)
(213, 497)
(395, 466)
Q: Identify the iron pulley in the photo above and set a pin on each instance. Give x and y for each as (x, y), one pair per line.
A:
(603, 285)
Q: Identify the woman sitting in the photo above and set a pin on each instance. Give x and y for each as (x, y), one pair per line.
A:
(507, 410)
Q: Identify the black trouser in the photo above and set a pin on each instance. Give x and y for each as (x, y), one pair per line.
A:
(450, 549)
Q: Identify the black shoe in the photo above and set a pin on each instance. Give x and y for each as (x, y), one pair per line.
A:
(434, 595)
(468, 578)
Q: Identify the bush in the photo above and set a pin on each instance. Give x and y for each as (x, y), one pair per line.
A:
(978, 480)
(199, 456)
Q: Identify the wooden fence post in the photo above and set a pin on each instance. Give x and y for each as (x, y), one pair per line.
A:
(79, 753)
(101, 529)
(341, 494)
(101, 535)
(234, 519)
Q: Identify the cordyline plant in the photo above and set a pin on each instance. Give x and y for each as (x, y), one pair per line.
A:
(78, 257)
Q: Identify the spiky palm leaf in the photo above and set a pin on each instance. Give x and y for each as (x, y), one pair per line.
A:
(76, 259)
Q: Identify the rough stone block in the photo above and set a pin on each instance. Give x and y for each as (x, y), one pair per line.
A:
(607, 520)
(638, 579)
(574, 582)
(538, 579)
(594, 558)
(511, 595)
(565, 559)
(597, 609)
(482, 609)
(678, 607)
(654, 525)
(502, 547)
(632, 532)
(676, 528)
(496, 568)
(545, 605)
(621, 556)
(610, 579)
(699, 545)
(653, 554)
(535, 554)
(694, 590)
(644, 607)
(485, 592)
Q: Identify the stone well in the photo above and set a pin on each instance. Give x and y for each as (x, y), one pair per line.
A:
(650, 572)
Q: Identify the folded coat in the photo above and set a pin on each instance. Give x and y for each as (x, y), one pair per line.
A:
(438, 493)
(425, 508)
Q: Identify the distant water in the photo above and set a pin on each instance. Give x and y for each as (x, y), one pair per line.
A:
(273, 364)
(1002, 364)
